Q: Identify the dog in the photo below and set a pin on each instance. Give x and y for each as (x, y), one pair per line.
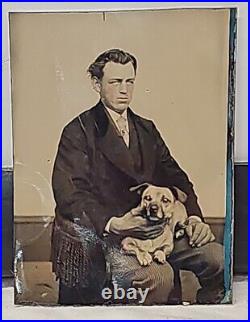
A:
(160, 204)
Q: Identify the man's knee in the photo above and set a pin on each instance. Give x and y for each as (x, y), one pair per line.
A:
(212, 277)
(163, 277)
(211, 255)
(161, 283)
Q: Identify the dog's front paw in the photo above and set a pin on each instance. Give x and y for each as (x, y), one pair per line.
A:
(144, 259)
(160, 256)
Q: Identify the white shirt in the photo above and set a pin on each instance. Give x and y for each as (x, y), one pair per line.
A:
(115, 117)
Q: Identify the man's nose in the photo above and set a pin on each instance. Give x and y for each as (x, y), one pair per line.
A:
(123, 88)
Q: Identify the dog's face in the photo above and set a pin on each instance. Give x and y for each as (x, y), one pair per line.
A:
(159, 202)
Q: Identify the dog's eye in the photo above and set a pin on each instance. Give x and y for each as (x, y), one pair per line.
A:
(165, 200)
(148, 198)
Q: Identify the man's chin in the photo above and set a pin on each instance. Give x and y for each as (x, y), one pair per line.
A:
(120, 107)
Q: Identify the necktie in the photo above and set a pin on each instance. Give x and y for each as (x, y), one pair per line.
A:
(122, 125)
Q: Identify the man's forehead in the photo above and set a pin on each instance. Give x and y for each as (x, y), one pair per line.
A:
(117, 70)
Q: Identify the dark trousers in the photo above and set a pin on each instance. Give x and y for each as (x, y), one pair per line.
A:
(205, 262)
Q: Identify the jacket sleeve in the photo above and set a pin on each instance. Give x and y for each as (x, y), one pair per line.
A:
(72, 181)
(171, 174)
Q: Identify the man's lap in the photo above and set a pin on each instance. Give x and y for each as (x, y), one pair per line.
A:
(183, 257)
(126, 271)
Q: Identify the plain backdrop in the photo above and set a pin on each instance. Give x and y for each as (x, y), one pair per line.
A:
(181, 85)
(241, 111)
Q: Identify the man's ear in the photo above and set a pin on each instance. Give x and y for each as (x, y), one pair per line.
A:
(179, 194)
(140, 188)
(96, 84)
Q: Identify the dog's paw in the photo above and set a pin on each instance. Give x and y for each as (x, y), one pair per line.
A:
(160, 256)
(144, 259)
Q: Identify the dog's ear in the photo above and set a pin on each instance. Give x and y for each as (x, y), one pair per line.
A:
(179, 194)
(140, 188)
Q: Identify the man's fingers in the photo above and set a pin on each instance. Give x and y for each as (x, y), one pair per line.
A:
(196, 233)
(156, 232)
(208, 239)
(205, 231)
(202, 241)
(147, 229)
(189, 231)
(153, 228)
(148, 234)
(141, 222)
(205, 240)
(154, 235)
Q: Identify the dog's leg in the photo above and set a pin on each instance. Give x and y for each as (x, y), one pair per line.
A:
(144, 258)
(166, 248)
(130, 246)
(160, 256)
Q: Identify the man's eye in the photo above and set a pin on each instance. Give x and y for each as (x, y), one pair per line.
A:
(131, 82)
(148, 198)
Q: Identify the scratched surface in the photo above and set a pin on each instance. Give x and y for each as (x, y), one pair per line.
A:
(33, 162)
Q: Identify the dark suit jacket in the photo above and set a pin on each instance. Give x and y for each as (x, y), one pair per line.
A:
(94, 170)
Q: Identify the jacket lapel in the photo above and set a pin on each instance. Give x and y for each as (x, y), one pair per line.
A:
(147, 147)
(111, 143)
(114, 148)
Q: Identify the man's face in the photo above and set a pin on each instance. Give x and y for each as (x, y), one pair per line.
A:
(117, 85)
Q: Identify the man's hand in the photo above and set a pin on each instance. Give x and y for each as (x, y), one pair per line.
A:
(199, 234)
(134, 225)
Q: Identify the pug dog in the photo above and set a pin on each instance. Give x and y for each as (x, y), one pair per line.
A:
(159, 204)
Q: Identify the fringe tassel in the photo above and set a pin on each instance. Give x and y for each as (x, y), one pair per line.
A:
(69, 258)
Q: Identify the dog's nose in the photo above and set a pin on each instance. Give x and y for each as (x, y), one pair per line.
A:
(154, 208)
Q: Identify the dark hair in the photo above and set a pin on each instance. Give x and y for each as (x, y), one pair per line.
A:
(115, 55)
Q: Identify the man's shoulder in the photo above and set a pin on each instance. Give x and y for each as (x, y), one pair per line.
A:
(147, 123)
(81, 120)
(80, 126)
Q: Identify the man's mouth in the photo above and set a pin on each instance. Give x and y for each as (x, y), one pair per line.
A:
(122, 99)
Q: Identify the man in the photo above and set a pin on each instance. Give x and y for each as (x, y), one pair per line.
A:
(102, 153)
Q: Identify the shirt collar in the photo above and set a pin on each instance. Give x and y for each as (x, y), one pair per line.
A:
(115, 116)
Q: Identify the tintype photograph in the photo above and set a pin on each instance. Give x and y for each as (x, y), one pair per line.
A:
(123, 151)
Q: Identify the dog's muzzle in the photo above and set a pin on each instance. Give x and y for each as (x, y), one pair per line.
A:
(154, 214)
(153, 209)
